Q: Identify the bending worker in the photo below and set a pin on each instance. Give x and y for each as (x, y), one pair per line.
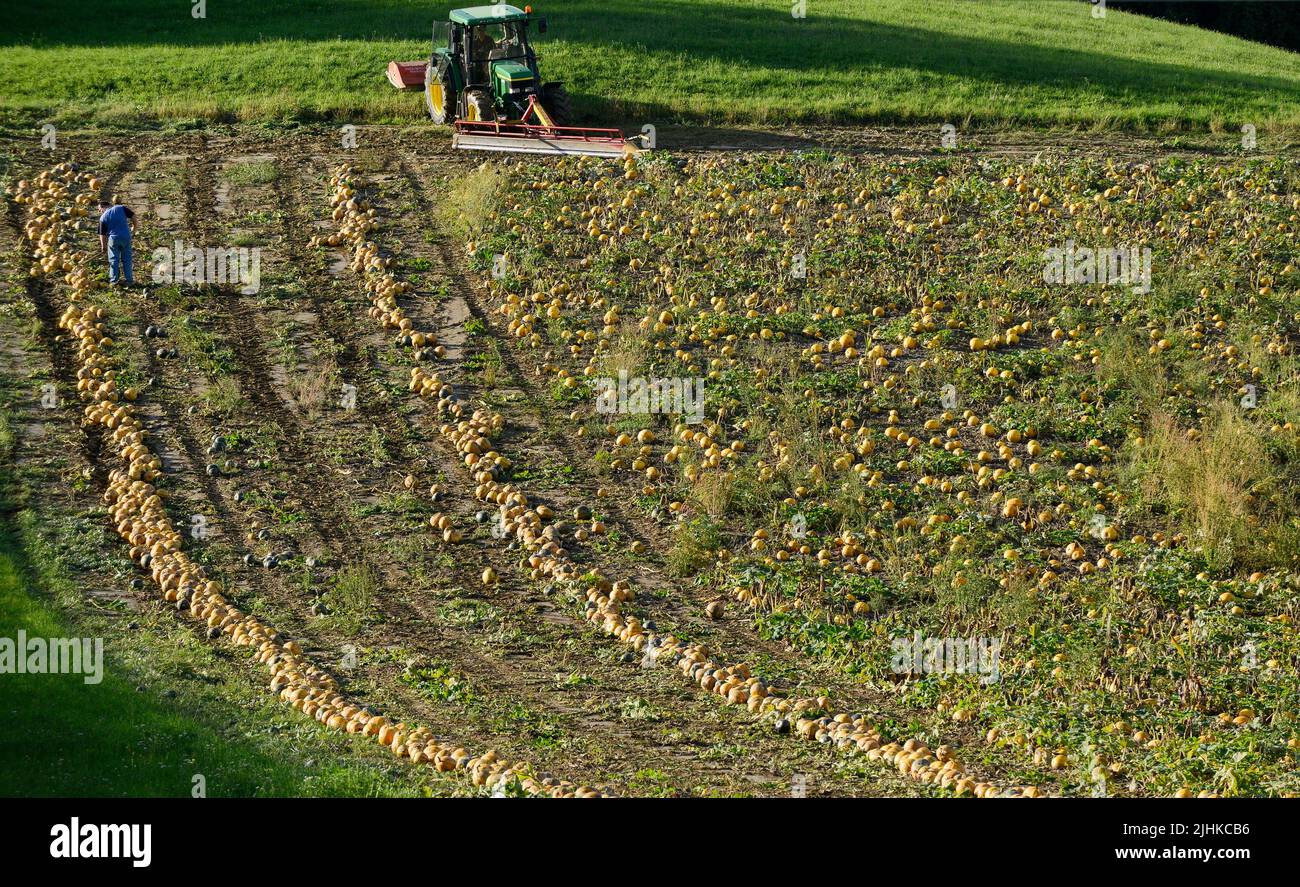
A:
(116, 222)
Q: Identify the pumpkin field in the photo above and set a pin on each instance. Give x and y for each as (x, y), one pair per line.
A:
(900, 462)
(423, 527)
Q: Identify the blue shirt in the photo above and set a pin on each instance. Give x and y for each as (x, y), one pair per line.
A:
(113, 222)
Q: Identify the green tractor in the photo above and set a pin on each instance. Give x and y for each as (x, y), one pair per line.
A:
(482, 77)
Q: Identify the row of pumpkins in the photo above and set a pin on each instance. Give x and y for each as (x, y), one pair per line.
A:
(356, 220)
(141, 520)
(602, 598)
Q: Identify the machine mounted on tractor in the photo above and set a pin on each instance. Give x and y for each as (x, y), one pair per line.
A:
(482, 77)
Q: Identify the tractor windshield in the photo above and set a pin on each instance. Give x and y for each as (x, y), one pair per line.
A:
(503, 40)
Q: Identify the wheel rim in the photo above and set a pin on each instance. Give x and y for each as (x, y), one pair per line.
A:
(436, 99)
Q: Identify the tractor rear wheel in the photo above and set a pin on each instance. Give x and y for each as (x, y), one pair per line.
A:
(478, 105)
(439, 93)
(556, 101)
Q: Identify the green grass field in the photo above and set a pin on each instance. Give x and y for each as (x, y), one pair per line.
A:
(1048, 62)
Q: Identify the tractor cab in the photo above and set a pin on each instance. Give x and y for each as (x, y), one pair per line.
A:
(493, 41)
(496, 61)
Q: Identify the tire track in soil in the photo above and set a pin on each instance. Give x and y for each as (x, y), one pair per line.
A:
(234, 324)
(736, 634)
(237, 329)
(241, 526)
(489, 672)
(129, 164)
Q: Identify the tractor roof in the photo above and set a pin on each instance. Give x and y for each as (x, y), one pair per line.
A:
(488, 15)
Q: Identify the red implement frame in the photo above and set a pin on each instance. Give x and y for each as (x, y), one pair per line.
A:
(539, 137)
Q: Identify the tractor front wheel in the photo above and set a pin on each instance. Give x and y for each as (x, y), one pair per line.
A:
(478, 106)
(439, 94)
(556, 101)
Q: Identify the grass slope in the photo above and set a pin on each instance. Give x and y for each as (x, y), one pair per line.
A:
(743, 61)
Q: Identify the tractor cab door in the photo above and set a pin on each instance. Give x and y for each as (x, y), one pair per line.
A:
(480, 47)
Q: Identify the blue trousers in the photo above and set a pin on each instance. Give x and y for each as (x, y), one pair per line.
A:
(119, 258)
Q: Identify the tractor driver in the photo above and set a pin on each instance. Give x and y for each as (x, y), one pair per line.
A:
(481, 46)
